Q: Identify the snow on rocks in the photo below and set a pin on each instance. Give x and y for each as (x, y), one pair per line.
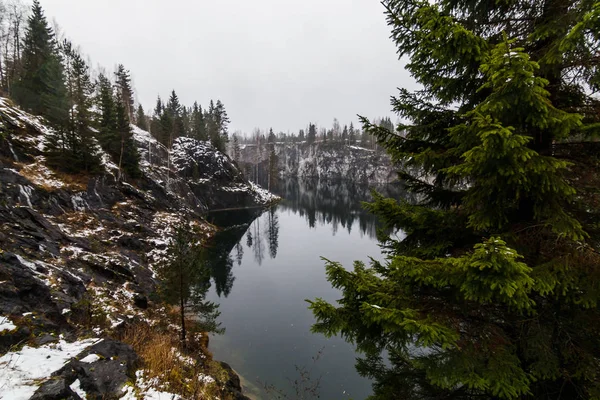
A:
(23, 371)
(263, 195)
(188, 151)
(359, 148)
(21, 119)
(90, 358)
(6, 324)
(79, 203)
(26, 192)
(42, 176)
(76, 387)
(147, 389)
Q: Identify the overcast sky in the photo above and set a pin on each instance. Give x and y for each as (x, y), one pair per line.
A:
(273, 63)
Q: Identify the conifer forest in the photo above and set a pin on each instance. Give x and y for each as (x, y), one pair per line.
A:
(401, 200)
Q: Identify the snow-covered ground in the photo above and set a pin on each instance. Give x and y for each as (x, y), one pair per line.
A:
(23, 371)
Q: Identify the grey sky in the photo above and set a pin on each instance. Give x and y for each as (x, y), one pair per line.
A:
(274, 63)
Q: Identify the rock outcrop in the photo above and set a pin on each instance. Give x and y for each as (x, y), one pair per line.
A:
(77, 252)
(327, 161)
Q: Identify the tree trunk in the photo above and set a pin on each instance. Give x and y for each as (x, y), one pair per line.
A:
(121, 156)
(182, 305)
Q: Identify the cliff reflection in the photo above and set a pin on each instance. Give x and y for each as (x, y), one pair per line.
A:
(337, 204)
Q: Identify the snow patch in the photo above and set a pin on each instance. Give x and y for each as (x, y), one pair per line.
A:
(10, 147)
(79, 203)
(23, 371)
(76, 387)
(6, 324)
(26, 191)
(92, 358)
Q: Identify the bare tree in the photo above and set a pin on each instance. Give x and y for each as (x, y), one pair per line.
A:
(13, 16)
(3, 34)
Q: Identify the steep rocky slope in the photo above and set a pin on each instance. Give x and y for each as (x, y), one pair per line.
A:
(329, 161)
(77, 256)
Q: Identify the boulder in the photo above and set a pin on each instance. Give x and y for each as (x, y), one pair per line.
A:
(104, 377)
(55, 389)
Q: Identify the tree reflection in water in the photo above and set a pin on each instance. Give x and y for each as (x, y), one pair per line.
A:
(320, 202)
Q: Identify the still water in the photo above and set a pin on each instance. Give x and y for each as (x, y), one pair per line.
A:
(264, 269)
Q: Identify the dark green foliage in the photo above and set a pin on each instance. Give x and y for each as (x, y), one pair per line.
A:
(273, 171)
(222, 122)
(493, 292)
(141, 121)
(186, 121)
(72, 147)
(185, 279)
(165, 129)
(128, 156)
(271, 138)
(217, 123)
(312, 133)
(107, 118)
(237, 151)
(124, 90)
(155, 125)
(41, 86)
(115, 134)
(352, 134)
(173, 122)
(168, 123)
(198, 125)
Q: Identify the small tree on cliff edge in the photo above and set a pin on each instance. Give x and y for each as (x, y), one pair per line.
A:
(494, 290)
(185, 279)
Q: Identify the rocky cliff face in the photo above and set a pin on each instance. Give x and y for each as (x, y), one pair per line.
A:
(328, 161)
(77, 256)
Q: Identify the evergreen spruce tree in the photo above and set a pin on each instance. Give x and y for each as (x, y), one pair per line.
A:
(125, 91)
(174, 120)
(271, 139)
(185, 119)
(115, 133)
(345, 134)
(71, 147)
(141, 120)
(212, 126)
(155, 122)
(83, 147)
(312, 133)
(493, 291)
(158, 110)
(217, 124)
(198, 123)
(352, 134)
(222, 120)
(273, 160)
(165, 130)
(128, 156)
(237, 151)
(107, 117)
(184, 279)
(41, 86)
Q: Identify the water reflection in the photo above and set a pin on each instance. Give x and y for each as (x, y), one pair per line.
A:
(335, 203)
(263, 268)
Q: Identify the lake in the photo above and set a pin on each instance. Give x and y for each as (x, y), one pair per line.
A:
(265, 268)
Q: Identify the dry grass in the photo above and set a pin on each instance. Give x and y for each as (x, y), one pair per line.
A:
(164, 361)
(51, 180)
